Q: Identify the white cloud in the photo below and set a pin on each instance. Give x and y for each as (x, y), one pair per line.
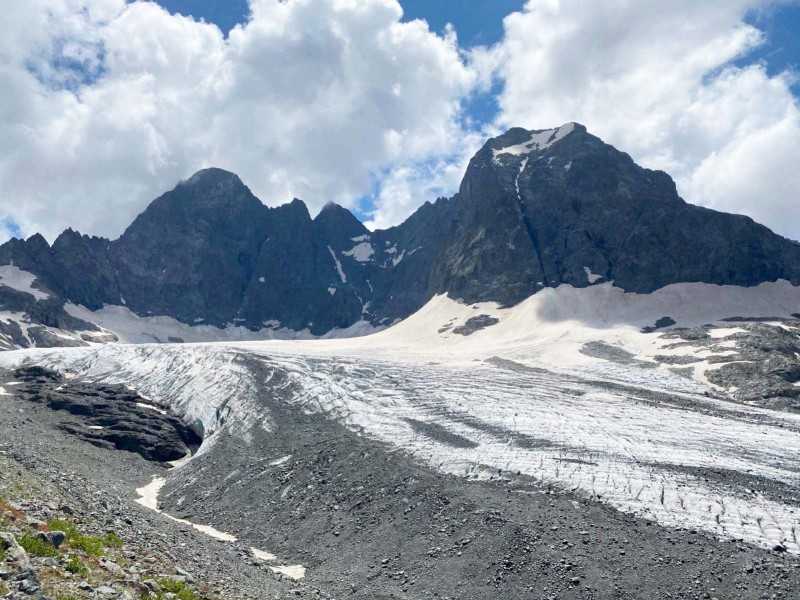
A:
(656, 80)
(405, 186)
(332, 99)
(309, 98)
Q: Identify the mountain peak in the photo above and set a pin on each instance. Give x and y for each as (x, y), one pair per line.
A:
(518, 141)
(337, 222)
(212, 176)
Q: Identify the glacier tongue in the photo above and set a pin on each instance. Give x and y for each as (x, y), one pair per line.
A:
(518, 399)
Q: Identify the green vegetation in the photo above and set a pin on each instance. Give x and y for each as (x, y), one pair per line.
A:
(180, 589)
(90, 544)
(35, 546)
(68, 528)
(112, 540)
(75, 566)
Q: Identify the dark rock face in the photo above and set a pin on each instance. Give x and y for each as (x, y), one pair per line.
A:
(476, 323)
(579, 210)
(109, 416)
(535, 209)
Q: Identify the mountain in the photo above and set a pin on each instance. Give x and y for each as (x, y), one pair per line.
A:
(535, 210)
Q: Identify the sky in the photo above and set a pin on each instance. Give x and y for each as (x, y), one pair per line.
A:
(379, 104)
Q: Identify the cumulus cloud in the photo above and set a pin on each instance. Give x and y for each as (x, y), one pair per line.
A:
(110, 103)
(657, 79)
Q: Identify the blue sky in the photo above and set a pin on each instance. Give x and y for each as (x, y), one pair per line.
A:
(781, 49)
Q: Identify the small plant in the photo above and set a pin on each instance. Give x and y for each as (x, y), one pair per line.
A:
(76, 567)
(36, 546)
(112, 540)
(2, 554)
(68, 528)
(3, 588)
(180, 588)
(90, 544)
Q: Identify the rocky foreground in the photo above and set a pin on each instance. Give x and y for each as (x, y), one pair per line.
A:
(365, 522)
(70, 528)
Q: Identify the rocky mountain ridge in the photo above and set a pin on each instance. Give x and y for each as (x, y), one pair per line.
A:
(535, 209)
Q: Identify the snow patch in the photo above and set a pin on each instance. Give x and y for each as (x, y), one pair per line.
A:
(148, 498)
(22, 281)
(539, 140)
(591, 277)
(339, 269)
(132, 328)
(295, 572)
(361, 252)
(151, 407)
(262, 555)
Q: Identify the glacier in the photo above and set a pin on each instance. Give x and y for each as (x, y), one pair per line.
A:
(518, 399)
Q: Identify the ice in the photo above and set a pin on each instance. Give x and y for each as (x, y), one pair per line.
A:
(332, 291)
(644, 441)
(16, 278)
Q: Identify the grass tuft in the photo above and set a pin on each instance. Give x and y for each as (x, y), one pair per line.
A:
(35, 546)
(90, 544)
(179, 590)
(76, 567)
(112, 540)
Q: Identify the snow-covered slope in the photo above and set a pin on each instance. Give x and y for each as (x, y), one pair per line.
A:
(564, 388)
